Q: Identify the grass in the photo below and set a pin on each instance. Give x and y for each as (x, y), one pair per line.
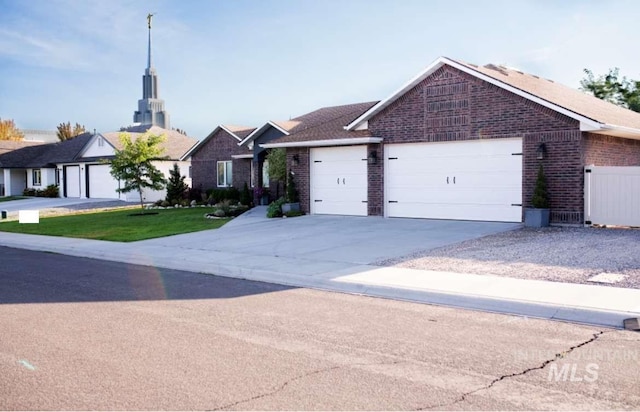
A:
(119, 225)
(10, 198)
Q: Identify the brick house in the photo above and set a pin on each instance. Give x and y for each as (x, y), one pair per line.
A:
(459, 141)
(219, 161)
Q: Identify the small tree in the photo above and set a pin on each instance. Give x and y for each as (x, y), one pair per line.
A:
(245, 195)
(540, 199)
(277, 167)
(292, 193)
(9, 131)
(133, 164)
(176, 187)
(66, 132)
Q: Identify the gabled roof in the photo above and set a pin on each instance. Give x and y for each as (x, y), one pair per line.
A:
(175, 146)
(18, 154)
(11, 145)
(594, 114)
(283, 126)
(324, 125)
(237, 132)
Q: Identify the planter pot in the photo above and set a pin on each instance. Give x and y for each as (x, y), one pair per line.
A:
(536, 217)
(290, 207)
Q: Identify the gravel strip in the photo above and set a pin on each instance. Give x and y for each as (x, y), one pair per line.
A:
(555, 254)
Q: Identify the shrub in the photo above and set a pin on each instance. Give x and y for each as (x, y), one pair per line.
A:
(176, 187)
(51, 191)
(218, 195)
(275, 208)
(540, 199)
(245, 195)
(292, 193)
(29, 192)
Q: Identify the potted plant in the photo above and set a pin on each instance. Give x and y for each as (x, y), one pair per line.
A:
(292, 201)
(538, 215)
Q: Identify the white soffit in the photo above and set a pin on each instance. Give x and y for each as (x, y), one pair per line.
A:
(325, 143)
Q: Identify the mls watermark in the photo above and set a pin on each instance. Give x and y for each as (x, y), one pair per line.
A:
(573, 372)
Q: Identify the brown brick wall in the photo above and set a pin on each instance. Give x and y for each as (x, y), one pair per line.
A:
(220, 147)
(301, 174)
(600, 150)
(451, 105)
(375, 178)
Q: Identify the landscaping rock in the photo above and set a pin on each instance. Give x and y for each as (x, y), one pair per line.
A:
(218, 213)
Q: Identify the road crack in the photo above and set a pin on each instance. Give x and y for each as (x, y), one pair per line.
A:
(543, 365)
(296, 378)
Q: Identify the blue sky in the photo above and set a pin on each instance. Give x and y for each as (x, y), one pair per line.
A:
(248, 61)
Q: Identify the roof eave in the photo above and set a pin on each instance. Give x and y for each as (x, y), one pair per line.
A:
(324, 143)
(618, 131)
(253, 135)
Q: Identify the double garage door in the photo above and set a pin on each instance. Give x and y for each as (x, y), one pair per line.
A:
(99, 184)
(470, 180)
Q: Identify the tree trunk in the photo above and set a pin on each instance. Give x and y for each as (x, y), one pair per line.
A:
(141, 203)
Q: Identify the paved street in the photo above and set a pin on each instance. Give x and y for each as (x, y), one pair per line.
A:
(86, 334)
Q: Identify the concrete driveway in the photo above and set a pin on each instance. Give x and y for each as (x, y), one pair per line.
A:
(321, 238)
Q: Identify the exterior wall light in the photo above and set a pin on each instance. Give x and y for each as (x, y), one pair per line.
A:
(373, 157)
(295, 161)
(541, 152)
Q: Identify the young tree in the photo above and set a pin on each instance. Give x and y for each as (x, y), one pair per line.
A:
(133, 164)
(176, 187)
(277, 167)
(66, 132)
(613, 88)
(9, 131)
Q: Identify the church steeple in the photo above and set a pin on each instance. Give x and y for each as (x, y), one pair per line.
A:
(150, 108)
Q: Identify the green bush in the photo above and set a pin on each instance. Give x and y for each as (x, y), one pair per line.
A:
(219, 195)
(275, 208)
(49, 191)
(540, 199)
(245, 195)
(292, 193)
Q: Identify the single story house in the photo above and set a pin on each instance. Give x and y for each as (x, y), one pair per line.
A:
(459, 141)
(79, 166)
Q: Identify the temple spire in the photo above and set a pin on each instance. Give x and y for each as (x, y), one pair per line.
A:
(149, 16)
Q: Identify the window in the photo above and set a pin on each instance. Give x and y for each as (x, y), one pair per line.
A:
(265, 173)
(57, 177)
(224, 173)
(100, 142)
(253, 179)
(37, 177)
(189, 172)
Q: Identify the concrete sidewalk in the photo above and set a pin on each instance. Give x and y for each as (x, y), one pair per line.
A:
(229, 252)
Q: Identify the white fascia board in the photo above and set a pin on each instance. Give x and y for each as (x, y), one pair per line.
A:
(260, 130)
(230, 132)
(620, 131)
(442, 61)
(323, 143)
(243, 156)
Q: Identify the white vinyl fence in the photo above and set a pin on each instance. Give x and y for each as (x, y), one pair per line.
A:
(612, 195)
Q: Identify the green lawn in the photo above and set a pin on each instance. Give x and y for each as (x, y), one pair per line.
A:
(119, 225)
(9, 198)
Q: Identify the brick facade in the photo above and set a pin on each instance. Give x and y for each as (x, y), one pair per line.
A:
(220, 147)
(451, 105)
(602, 150)
(301, 174)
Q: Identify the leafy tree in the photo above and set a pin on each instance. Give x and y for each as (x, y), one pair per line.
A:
(133, 164)
(277, 167)
(9, 131)
(613, 88)
(66, 132)
(176, 187)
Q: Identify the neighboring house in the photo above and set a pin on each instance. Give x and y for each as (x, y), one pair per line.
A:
(46, 136)
(24, 149)
(218, 161)
(79, 166)
(459, 141)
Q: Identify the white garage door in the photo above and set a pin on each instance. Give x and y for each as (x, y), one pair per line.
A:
(471, 180)
(72, 181)
(101, 183)
(339, 180)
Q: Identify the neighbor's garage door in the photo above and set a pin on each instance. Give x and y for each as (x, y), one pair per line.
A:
(470, 180)
(339, 180)
(71, 181)
(101, 183)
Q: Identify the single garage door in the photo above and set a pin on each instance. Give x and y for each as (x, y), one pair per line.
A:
(101, 183)
(339, 180)
(470, 180)
(71, 181)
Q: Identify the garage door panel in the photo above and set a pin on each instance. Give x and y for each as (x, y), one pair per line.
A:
(72, 181)
(101, 183)
(470, 180)
(339, 180)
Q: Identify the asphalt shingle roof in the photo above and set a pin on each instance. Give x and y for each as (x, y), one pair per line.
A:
(175, 145)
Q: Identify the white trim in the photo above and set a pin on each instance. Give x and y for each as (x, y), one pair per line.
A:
(230, 132)
(260, 130)
(242, 156)
(619, 131)
(324, 143)
(226, 163)
(90, 142)
(441, 61)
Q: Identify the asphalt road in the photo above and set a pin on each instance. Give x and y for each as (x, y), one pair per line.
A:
(85, 334)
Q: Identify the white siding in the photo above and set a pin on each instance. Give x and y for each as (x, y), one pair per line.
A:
(612, 195)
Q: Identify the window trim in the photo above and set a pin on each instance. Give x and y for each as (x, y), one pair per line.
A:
(225, 174)
(38, 173)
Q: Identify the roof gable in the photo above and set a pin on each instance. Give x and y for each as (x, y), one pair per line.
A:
(281, 126)
(236, 132)
(592, 113)
(97, 146)
(175, 146)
